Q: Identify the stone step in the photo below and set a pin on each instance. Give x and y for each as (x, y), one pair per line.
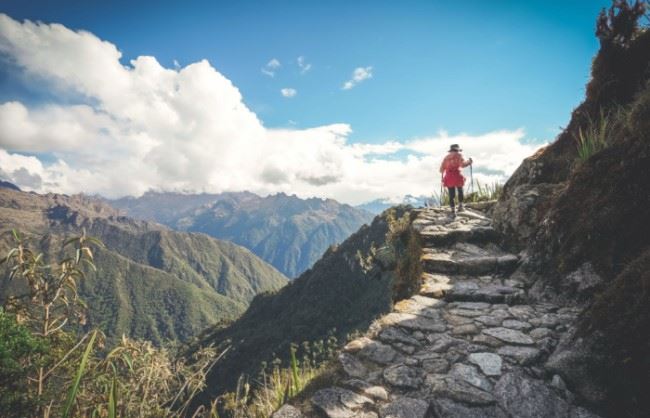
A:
(439, 236)
(473, 289)
(467, 259)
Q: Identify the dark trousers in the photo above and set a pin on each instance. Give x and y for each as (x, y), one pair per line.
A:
(452, 195)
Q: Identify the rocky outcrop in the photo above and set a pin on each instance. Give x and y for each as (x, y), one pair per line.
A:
(470, 344)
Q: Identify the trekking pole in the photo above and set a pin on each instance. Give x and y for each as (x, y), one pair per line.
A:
(441, 192)
(471, 177)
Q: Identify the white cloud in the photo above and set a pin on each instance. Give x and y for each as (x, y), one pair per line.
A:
(141, 126)
(288, 92)
(303, 65)
(271, 67)
(358, 75)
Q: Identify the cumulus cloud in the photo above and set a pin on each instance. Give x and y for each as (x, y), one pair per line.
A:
(358, 75)
(288, 92)
(138, 126)
(271, 67)
(303, 65)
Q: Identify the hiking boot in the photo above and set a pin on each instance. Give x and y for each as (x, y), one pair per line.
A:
(453, 212)
(461, 208)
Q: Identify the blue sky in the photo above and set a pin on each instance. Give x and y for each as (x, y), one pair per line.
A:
(470, 67)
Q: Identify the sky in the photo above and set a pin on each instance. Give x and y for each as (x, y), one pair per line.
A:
(348, 100)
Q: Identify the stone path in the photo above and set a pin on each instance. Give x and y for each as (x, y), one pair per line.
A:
(470, 344)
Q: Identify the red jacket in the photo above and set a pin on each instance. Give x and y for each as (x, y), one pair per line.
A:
(451, 168)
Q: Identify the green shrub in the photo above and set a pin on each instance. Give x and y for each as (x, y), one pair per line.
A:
(407, 247)
(18, 351)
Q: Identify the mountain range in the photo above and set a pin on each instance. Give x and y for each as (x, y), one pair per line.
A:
(288, 232)
(377, 206)
(151, 282)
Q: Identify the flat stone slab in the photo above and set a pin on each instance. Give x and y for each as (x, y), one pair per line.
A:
(466, 232)
(413, 322)
(403, 376)
(489, 363)
(458, 390)
(465, 258)
(509, 335)
(524, 397)
(520, 355)
(471, 376)
(416, 307)
(446, 408)
(336, 402)
(392, 335)
(404, 407)
(352, 366)
(287, 411)
(435, 285)
(372, 350)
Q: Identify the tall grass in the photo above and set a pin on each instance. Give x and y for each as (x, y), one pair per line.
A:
(593, 137)
(476, 192)
(276, 385)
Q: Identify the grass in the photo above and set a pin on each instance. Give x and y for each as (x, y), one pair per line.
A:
(478, 192)
(276, 385)
(593, 138)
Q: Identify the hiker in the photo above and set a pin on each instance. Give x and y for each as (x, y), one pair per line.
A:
(452, 178)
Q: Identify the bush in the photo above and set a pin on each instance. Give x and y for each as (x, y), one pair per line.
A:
(407, 246)
(18, 351)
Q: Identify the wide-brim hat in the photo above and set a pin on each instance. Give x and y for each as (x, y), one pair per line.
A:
(455, 147)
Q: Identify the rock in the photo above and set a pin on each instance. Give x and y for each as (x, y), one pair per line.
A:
(558, 383)
(524, 397)
(404, 407)
(402, 376)
(357, 344)
(472, 306)
(414, 307)
(371, 391)
(376, 392)
(489, 320)
(467, 329)
(372, 350)
(287, 411)
(336, 402)
(515, 324)
(435, 285)
(352, 366)
(412, 361)
(471, 376)
(539, 333)
(489, 363)
(391, 334)
(575, 361)
(487, 340)
(522, 312)
(419, 335)
(455, 320)
(466, 312)
(509, 335)
(458, 390)
(583, 282)
(440, 342)
(413, 322)
(580, 412)
(521, 355)
(435, 365)
(446, 408)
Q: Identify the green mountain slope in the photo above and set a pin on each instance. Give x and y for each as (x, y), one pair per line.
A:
(344, 291)
(151, 282)
(288, 232)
